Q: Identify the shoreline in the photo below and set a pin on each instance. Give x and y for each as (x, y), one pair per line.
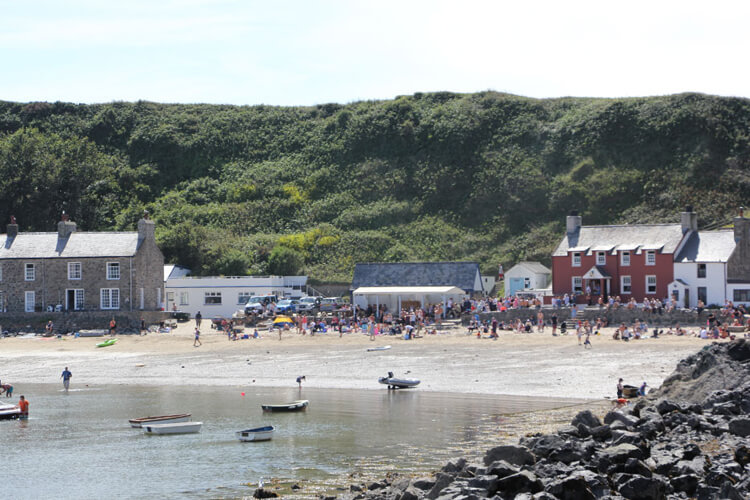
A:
(534, 364)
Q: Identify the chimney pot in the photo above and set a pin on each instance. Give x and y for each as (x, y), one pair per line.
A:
(688, 208)
(12, 230)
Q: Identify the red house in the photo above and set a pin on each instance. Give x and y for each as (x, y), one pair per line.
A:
(632, 261)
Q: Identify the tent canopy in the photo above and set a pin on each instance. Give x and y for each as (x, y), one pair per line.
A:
(408, 290)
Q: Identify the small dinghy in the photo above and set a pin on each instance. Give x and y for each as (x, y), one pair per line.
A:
(257, 434)
(381, 348)
(162, 419)
(398, 383)
(9, 412)
(293, 406)
(173, 428)
(106, 343)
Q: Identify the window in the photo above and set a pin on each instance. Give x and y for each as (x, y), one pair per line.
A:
(77, 304)
(74, 270)
(601, 258)
(625, 258)
(184, 299)
(30, 301)
(110, 298)
(741, 295)
(650, 285)
(527, 282)
(625, 284)
(576, 259)
(701, 270)
(577, 284)
(702, 294)
(113, 270)
(170, 296)
(212, 298)
(243, 297)
(30, 274)
(650, 258)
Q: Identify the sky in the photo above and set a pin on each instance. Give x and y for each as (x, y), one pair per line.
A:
(307, 52)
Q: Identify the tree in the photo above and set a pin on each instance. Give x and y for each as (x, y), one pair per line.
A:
(284, 261)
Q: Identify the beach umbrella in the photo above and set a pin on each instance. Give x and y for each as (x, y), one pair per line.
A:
(282, 320)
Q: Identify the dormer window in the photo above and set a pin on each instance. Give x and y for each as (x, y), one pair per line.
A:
(625, 258)
(650, 257)
(601, 258)
(576, 259)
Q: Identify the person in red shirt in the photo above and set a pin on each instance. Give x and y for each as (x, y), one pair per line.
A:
(23, 404)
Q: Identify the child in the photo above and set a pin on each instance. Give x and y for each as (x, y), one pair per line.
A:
(587, 342)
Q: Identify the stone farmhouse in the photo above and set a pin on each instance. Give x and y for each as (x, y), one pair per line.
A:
(75, 272)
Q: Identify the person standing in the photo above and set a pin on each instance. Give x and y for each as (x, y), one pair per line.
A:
(198, 318)
(112, 326)
(642, 390)
(620, 389)
(587, 341)
(66, 378)
(23, 404)
(197, 341)
(553, 319)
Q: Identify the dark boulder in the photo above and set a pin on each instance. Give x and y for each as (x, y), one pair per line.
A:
(601, 433)
(516, 455)
(411, 493)
(521, 482)
(454, 466)
(635, 466)
(643, 488)
(665, 406)
(690, 451)
(423, 483)
(571, 488)
(742, 455)
(586, 418)
(618, 416)
(739, 350)
(740, 426)
(687, 483)
(501, 468)
(264, 493)
(442, 480)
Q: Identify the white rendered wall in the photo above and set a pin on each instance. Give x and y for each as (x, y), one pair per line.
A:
(714, 281)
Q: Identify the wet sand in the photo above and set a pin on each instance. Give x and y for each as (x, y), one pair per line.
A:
(535, 364)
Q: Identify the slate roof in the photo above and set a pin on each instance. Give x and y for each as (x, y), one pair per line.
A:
(626, 237)
(707, 246)
(458, 274)
(533, 266)
(77, 245)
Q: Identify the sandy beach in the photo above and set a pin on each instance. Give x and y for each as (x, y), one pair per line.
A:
(535, 364)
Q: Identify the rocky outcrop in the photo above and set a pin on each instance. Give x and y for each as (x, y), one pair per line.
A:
(661, 447)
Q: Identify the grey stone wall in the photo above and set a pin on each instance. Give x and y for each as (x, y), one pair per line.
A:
(74, 321)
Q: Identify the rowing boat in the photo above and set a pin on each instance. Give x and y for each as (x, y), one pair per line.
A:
(293, 406)
(257, 434)
(173, 428)
(162, 419)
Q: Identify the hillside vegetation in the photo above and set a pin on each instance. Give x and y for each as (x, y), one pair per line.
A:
(440, 176)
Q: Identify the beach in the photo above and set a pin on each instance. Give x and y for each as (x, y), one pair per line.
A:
(533, 364)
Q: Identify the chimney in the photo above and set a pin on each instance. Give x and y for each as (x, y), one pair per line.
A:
(12, 231)
(573, 222)
(65, 227)
(689, 220)
(146, 227)
(741, 227)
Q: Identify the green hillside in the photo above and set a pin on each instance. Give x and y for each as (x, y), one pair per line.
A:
(263, 189)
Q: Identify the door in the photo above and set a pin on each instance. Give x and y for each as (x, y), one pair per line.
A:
(687, 298)
(515, 285)
(70, 299)
(703, 295)
(30, 301)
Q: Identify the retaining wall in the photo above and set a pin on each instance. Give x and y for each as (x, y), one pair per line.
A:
(81, 320)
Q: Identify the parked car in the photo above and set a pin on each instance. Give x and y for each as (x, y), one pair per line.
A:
(329, 304)
(287, 306)
(308, 304)
(257, 303)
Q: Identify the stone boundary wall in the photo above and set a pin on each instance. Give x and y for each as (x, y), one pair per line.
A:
(83, 320)
(613, 316)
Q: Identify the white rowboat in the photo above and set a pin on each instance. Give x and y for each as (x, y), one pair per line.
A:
(162, 419)
(174, 428)
(381, 348)
(257, 434)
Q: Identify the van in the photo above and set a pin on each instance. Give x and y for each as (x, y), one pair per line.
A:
(329, 304)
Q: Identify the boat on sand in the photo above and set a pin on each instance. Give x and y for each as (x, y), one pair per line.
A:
(398, 383)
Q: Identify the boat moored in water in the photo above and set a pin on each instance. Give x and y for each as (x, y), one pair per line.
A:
(257, 434)
(9, 412)
(299, 405)
(173, 428)
(162, 419)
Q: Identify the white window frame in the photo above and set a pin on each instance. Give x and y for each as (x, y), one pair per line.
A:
(111, 266)
(245, 295)
(647, 284)
(184, 299)
(212, 295)
(78, 298)
(579, 280)
(29, 271)
(629, 285)
(526, 283)
(576, 259)
(75, 270)
(650, 257)
(601, 258)
(29, 301)
(623, 260)
(109, 298)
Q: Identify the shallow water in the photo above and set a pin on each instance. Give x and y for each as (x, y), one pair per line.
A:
(80, 445)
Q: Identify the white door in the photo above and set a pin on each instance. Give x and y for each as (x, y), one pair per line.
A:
(30, 301)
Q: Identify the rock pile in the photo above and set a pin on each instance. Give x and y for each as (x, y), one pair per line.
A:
(656, 448)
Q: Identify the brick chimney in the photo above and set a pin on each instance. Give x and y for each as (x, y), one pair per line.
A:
(573, 222)
(12, 231)
(65, 227)
(689, 220)
(146, 227)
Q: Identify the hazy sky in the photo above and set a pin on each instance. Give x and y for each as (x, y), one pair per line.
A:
(309, 52)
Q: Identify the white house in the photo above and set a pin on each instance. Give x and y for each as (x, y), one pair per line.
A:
(221, 296)
(527, 275)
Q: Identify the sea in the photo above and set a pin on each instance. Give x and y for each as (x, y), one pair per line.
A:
(79, 444)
